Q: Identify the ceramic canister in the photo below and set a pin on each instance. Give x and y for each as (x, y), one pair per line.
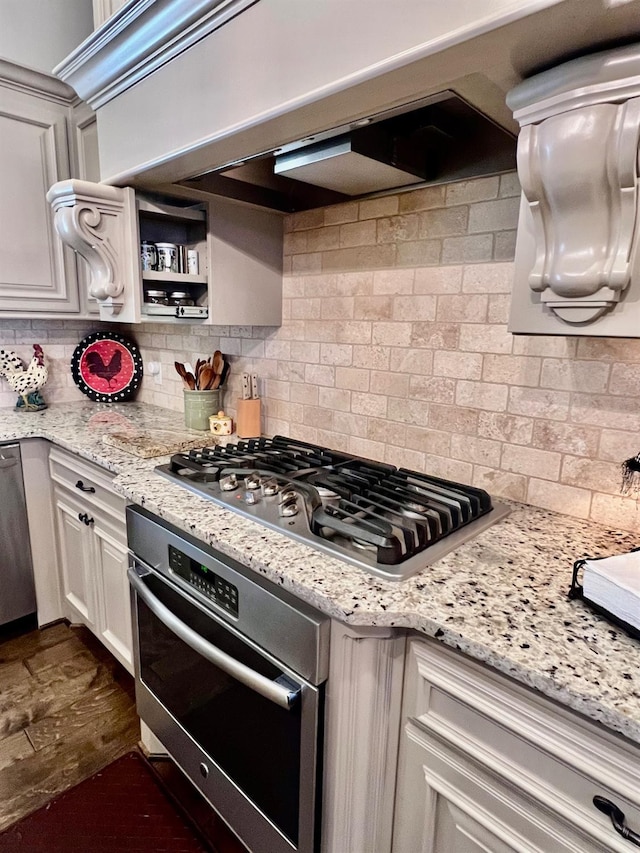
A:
(167, 257)
(199, 406)
(148, 255)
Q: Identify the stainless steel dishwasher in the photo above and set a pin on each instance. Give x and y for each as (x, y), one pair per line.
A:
(17, 591)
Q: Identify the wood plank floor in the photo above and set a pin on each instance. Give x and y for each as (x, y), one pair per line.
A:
(67, 709)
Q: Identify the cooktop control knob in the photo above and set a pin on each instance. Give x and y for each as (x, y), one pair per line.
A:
(270, 487)
(288, 503)
(252, 481)
(251, 497)
(229, 483)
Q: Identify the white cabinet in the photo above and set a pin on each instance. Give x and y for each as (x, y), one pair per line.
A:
(37, 272)
(92, 548)
(76, 559)
(487, 765)
(45, 137)
(239, 280)
(464, 807)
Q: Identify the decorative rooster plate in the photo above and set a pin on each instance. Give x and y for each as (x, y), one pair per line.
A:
(107, 367)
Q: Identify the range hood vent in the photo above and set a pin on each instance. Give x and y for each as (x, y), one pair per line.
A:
(363, 161)
(439, 139)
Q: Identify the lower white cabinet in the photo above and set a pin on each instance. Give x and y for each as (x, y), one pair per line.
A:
(487, 766)
(464, 807)
(75, 543)
(92, 545)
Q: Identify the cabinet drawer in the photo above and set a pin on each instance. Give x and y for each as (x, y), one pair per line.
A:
(446, 801)
(547, 752)
(88, 482)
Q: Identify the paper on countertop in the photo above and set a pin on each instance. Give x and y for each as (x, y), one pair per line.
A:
(614, 583)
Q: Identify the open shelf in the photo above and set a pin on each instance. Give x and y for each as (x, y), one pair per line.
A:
(151, 207)
(173, 277)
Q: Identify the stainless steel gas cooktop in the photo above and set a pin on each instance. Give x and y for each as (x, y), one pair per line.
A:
(390, 521)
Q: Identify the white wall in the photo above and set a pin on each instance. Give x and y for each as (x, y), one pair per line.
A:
(40, 33)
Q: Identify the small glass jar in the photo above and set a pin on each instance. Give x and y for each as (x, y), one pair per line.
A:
(156, 297)
(180, 297)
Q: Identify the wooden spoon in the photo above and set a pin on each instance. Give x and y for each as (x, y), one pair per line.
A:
(190, 379)
(205, 377)
(218, 361)
(224, 371)
(182, 373)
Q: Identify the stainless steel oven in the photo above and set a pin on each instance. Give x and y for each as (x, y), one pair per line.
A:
(230, 673)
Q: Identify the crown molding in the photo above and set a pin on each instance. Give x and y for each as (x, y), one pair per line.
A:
(139, 38)
(25, 79)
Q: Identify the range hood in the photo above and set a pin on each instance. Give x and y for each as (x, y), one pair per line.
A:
(362, 161)
(438, 139)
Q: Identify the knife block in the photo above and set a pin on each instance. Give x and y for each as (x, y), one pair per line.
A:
(248, 418)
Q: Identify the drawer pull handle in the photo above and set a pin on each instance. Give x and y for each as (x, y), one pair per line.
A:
(85, 519)
(617, 819)
(80, 485)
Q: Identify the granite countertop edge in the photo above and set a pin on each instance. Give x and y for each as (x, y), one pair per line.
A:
(500, 598)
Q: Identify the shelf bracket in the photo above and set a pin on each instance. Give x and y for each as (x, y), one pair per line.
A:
(95, 221)
(580, 174)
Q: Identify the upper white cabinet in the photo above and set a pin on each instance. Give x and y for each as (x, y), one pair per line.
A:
(239, 255)
(577, 255)
(37, 272)
(46, 135)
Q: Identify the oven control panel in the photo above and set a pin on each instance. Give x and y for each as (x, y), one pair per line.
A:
(206, 581)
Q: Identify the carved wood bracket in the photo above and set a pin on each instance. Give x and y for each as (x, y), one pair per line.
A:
(579, 171)
(92, 219)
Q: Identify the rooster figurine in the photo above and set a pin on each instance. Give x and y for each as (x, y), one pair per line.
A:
(25, 381)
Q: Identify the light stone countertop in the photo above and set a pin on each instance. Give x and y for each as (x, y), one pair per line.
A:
(500, 598)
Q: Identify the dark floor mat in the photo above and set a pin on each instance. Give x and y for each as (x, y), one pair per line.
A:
(121, 809)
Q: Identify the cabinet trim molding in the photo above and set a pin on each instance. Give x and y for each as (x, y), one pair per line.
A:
(363, 730)
(32, 82)
(97, 222)
(137, 40)
(595, 753)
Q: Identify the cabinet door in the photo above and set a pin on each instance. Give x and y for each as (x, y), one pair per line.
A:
(112, 594)
(74, 542)
(37, 273)
(446, 802)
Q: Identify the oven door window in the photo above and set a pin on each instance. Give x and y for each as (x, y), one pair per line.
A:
(254, 741)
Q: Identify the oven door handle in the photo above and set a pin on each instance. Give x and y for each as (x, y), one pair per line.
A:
(271, 690)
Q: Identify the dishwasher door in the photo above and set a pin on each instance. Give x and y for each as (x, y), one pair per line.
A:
(17, 591)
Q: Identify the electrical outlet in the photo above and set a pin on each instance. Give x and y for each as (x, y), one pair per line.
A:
(154, 368)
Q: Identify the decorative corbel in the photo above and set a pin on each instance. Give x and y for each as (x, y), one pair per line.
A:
(579, 171)
(95, 221)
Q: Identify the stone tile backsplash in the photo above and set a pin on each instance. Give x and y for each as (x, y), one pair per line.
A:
(394, 346)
